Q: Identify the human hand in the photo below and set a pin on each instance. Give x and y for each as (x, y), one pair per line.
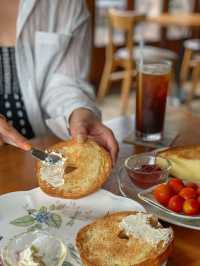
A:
(83, 124)
(11, 136)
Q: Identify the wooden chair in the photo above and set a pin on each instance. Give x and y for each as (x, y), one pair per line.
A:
(125, 58)
(125, 22)
(191, 48)
(190, 63)
(195, 67)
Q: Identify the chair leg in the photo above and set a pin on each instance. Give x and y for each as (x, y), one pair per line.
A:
(105, 82)
(185, 65)
(195, 80)
(126, 85)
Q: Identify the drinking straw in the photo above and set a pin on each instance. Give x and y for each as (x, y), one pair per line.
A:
(140, 69)
(141, 49)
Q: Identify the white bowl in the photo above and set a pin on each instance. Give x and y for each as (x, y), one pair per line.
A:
(49, 249)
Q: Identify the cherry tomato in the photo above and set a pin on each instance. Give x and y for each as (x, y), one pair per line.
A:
(198, 190)
(162, 193)
(191, 207)
(198, 199)
(176, 185)
(188, 193)
(176, 203)
(192, 185)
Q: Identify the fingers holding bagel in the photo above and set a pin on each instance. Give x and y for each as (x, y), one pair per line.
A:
(84, 124)
(79, 133)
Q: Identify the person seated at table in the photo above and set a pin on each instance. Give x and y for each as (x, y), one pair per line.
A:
(44, 62)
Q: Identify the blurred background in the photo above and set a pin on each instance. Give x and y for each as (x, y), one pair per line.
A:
(169, 29)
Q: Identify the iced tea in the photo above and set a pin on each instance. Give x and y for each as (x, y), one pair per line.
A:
(153, 81)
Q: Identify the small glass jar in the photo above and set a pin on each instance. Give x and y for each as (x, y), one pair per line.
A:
(147, 170)
(39, 245)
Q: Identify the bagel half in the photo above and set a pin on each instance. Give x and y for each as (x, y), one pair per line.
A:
(102, 243)
(91, 166)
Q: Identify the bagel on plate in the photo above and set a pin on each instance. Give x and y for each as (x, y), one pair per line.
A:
(125, 239)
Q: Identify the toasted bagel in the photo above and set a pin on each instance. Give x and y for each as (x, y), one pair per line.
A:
(185, 162)
(102, 243)
(91, 166)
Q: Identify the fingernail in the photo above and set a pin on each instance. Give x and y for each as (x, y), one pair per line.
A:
(80, 139)
(26, 146)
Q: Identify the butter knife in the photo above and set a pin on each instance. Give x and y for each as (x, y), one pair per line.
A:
(40, 155)
(45, 156)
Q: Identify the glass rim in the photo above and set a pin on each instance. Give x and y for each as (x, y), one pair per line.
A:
(167, 168)
(151, 65)
(154, 62)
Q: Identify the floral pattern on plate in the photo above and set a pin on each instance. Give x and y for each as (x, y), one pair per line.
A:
(53, 216)
(32, 210)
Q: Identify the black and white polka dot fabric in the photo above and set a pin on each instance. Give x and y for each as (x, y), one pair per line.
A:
(11, 100)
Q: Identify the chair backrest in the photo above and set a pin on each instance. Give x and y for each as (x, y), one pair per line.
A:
(123, 21)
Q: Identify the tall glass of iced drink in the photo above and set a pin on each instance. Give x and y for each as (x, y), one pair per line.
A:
(153, 79)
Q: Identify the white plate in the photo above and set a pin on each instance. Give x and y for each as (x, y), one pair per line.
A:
(29, 210)
(127, 189)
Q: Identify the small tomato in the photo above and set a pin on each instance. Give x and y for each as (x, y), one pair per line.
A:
(176, 185)
(162, 193)
(198, 199)
(188, 193)
(198, 190)
(191, 207)
(192, 185)
(176, 203)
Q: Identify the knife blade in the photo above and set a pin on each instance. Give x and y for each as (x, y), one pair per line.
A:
(45, 156)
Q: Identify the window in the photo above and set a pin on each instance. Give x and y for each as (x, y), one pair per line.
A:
(177, 7)
(101, 32)
(150, 31)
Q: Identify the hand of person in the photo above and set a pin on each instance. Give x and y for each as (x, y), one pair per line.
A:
(83, 124)
(11, 136)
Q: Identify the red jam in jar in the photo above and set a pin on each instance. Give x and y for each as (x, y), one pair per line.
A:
(146, 175)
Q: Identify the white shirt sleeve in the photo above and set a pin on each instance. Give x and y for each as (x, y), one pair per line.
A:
(68, 88)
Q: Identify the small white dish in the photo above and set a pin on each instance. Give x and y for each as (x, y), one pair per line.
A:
(36, 248)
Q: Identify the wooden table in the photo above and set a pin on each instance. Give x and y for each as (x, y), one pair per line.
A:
(183, 20)
(17, 173)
